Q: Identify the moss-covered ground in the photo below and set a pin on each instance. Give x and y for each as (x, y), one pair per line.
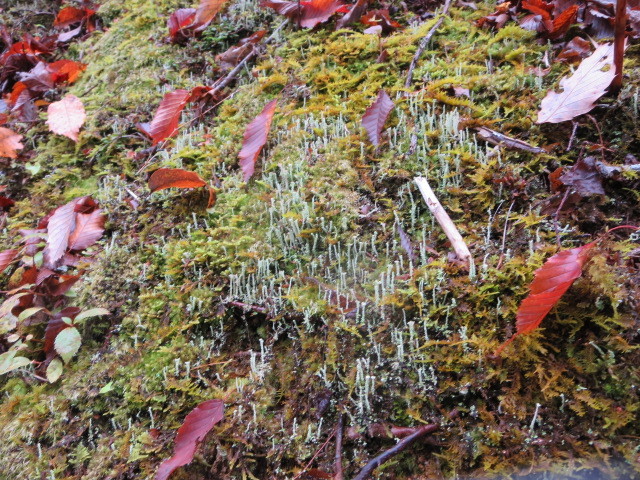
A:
(218, 303)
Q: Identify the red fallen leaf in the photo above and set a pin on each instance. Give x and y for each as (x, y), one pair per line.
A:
(317, 473)
(584, 177)
(551, 281)
(6, 257)
(380, 18)
(307, 13)
(179, 20)
(255, 136)
(89, 229)
(376, 115)
(577, 49)
(195, 427)
(66, 116)
(66, 71)
(318, 11)
(539, 7)
(6, 202)
(353, 15)
(70, 15)
(563, 21)
(165, 121)
(9, 143)
(206, 12)
(179, 178)
(581, 90)
(64, 284)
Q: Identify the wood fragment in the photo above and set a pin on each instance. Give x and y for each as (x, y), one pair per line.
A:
(337, 469)
(424, 42)
(442, 217)
(502, 140)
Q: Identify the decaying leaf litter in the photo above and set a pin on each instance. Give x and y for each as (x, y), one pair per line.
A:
(327, 206)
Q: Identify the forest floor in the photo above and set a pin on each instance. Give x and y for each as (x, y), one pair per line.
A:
(322, 288)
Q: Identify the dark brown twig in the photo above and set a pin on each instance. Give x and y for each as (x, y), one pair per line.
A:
(396, 449)
(618, 43)
(424, 42)
(338, 473)
(557, 214)
(314, 456)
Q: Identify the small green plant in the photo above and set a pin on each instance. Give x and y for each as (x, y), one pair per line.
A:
(50, 260)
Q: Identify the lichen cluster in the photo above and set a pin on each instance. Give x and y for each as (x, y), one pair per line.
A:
(246, 302)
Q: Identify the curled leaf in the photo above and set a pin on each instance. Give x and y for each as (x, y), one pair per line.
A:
(178, 178)
(255, 136)
(376, 115)
(6, 257)
(196, 425)
(165, 121)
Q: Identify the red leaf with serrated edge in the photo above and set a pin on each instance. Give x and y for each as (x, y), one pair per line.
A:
(179, 178)
(195, 427)
(89, 229)
(66, 117)
(551, 281)
(165, 121)
(376, 115)
(255, 136)
(9, 143)
(6, 257)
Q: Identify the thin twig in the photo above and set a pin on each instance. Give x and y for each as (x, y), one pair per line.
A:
(442, 217)
(338, 473)
(424, 42)
(555, 217)
(396, 449)
(573, 135)
(306, 467)
(619, 43)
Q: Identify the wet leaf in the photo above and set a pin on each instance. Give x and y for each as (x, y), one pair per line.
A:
(550, 283)
(165, 121)
(195, 427)
(66, 117)
(255, 136)
(376, 115)
(581, 90)
(9, 143)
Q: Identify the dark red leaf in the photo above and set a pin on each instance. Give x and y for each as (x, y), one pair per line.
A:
(89, 229)
(6, 257)
(376, 115)
(255, 136)
(574, 51)
(179, 20)
(55, 326)
(551, 281)
(584, 177)
(195, 427)
(70, 15)
(165, 122)
(38, 79)
(234, 55)
(563, 21)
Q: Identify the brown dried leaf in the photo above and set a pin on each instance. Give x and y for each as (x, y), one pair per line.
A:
(376, 115)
